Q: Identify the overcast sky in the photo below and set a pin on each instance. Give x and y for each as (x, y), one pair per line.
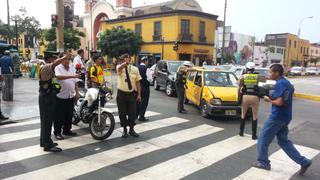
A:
(254, 17)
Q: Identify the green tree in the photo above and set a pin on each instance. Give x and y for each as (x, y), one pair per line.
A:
(118, 41)
(315, 61)
(72, 38)
(228, 58)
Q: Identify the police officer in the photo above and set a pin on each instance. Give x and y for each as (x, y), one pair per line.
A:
(180, 84)
(249, 92)
(47, 100)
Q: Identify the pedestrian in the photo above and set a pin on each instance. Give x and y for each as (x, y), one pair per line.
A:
(79, 65)
(47, 100)
(68, 95)
(249, 97)
(277, 123)
(145, 89)
(6, 67)
(181, 82)
(89, 64)
(129, 93)
(96, 72)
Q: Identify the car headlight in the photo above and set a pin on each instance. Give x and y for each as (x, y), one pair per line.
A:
(215, 101)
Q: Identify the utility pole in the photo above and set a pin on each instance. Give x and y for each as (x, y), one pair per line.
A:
(224, 31)
(9, 30)
(59, 29)
(17, 36)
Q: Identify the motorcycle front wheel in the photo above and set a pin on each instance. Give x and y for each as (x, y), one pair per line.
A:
(104, 129)
(75, 119)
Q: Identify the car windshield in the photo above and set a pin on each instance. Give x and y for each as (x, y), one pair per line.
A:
(263, 72)
(173, 66)
(296, 69)
(220, 79)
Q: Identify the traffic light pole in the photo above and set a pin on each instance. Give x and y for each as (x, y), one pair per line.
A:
(59, 29)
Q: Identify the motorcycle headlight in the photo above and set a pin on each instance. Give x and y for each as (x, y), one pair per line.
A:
(108, 97)
(215, 102)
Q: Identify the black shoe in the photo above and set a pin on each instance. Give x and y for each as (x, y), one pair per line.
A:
(125, 133)
(242, 124)
(54, 144)
(59, 137)
(52, 149)
(143, 119)
(70, 133)
(133, 133)
(2, 117)
(183, 111)
(260, 166)
(303, 169)
(254, 129)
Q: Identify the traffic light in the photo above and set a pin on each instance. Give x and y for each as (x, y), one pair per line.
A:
(176, 46)
(54, 20)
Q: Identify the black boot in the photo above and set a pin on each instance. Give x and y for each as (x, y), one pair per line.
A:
(2, 117)
(133, 133)
(254, 129)
(242, 124)
(125, 132)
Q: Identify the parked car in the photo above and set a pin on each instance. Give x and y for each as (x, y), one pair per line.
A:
(214, 91)
(165, 76)
(312, 71)
(298, 71)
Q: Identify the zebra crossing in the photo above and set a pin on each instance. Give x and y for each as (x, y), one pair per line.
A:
(174, 148)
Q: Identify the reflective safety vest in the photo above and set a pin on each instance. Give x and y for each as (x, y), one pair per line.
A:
(50, 86)
(250, 84)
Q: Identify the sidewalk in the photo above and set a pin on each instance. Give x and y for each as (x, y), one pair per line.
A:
(25, 100)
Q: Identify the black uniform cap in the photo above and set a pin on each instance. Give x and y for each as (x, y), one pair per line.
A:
(50, 54)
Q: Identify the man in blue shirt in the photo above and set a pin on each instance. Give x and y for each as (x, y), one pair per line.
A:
(6, 63)
(277, 124)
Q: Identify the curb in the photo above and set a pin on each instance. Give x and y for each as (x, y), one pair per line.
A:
(307, 96)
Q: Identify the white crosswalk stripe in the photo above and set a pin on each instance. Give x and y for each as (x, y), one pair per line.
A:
(119, 154)
(33, 151)
(282, 166)
(33, 121)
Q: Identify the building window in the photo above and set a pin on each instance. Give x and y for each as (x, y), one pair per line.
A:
(119, 27)
(289, 43)
(279, 50)
(295, 44)
(185, 30)
(301, 49)
(157, 34)
(202, 31)
(138, 29)
(316, 51)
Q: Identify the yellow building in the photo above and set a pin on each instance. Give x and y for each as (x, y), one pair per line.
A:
(193, 30)
(296, 50)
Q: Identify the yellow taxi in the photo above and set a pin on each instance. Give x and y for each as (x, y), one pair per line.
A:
(213, 90)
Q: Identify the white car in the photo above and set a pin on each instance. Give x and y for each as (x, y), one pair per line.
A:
(312, 71)
(298, 71)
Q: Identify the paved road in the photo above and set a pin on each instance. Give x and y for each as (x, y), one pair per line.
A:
(307, 85)
(171, 146)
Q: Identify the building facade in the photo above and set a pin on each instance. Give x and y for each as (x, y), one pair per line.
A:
(265, 56)
(296, 51)
(160, 31)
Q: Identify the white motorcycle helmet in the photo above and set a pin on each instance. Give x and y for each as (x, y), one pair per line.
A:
(188, 64)
(250, 65)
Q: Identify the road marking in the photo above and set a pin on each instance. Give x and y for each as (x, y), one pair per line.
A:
(34, 121)
(185, 165)
(94, 162)
(282, 167)
(33, 151)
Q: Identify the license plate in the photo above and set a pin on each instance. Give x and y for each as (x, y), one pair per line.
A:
(230, 112)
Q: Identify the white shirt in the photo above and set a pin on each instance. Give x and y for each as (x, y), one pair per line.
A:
(78, 60)
(67, 86)
(149, 73)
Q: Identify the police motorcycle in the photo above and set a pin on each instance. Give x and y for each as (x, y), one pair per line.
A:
(90, 109)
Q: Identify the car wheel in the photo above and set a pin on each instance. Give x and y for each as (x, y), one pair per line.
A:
(204, 111)
(169, 91)
(156, 86)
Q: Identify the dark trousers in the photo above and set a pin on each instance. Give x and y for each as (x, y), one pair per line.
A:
(47, 108)
(142, 106)
(180, 92)
(127, 106)
(64, 115)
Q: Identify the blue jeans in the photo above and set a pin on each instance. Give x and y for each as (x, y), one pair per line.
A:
(280, 129)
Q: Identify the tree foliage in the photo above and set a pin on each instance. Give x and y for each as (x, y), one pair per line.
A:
(72, 38)
(118, 41)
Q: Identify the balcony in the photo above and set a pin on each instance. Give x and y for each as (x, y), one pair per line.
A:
(157, 37)
(202, 39)
(186, 37)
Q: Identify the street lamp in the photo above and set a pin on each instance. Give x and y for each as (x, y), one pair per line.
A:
(299, 33)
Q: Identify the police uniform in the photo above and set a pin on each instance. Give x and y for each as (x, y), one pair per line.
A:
(127, 95)
(47, 103)
(250, 99)
(180, 87)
